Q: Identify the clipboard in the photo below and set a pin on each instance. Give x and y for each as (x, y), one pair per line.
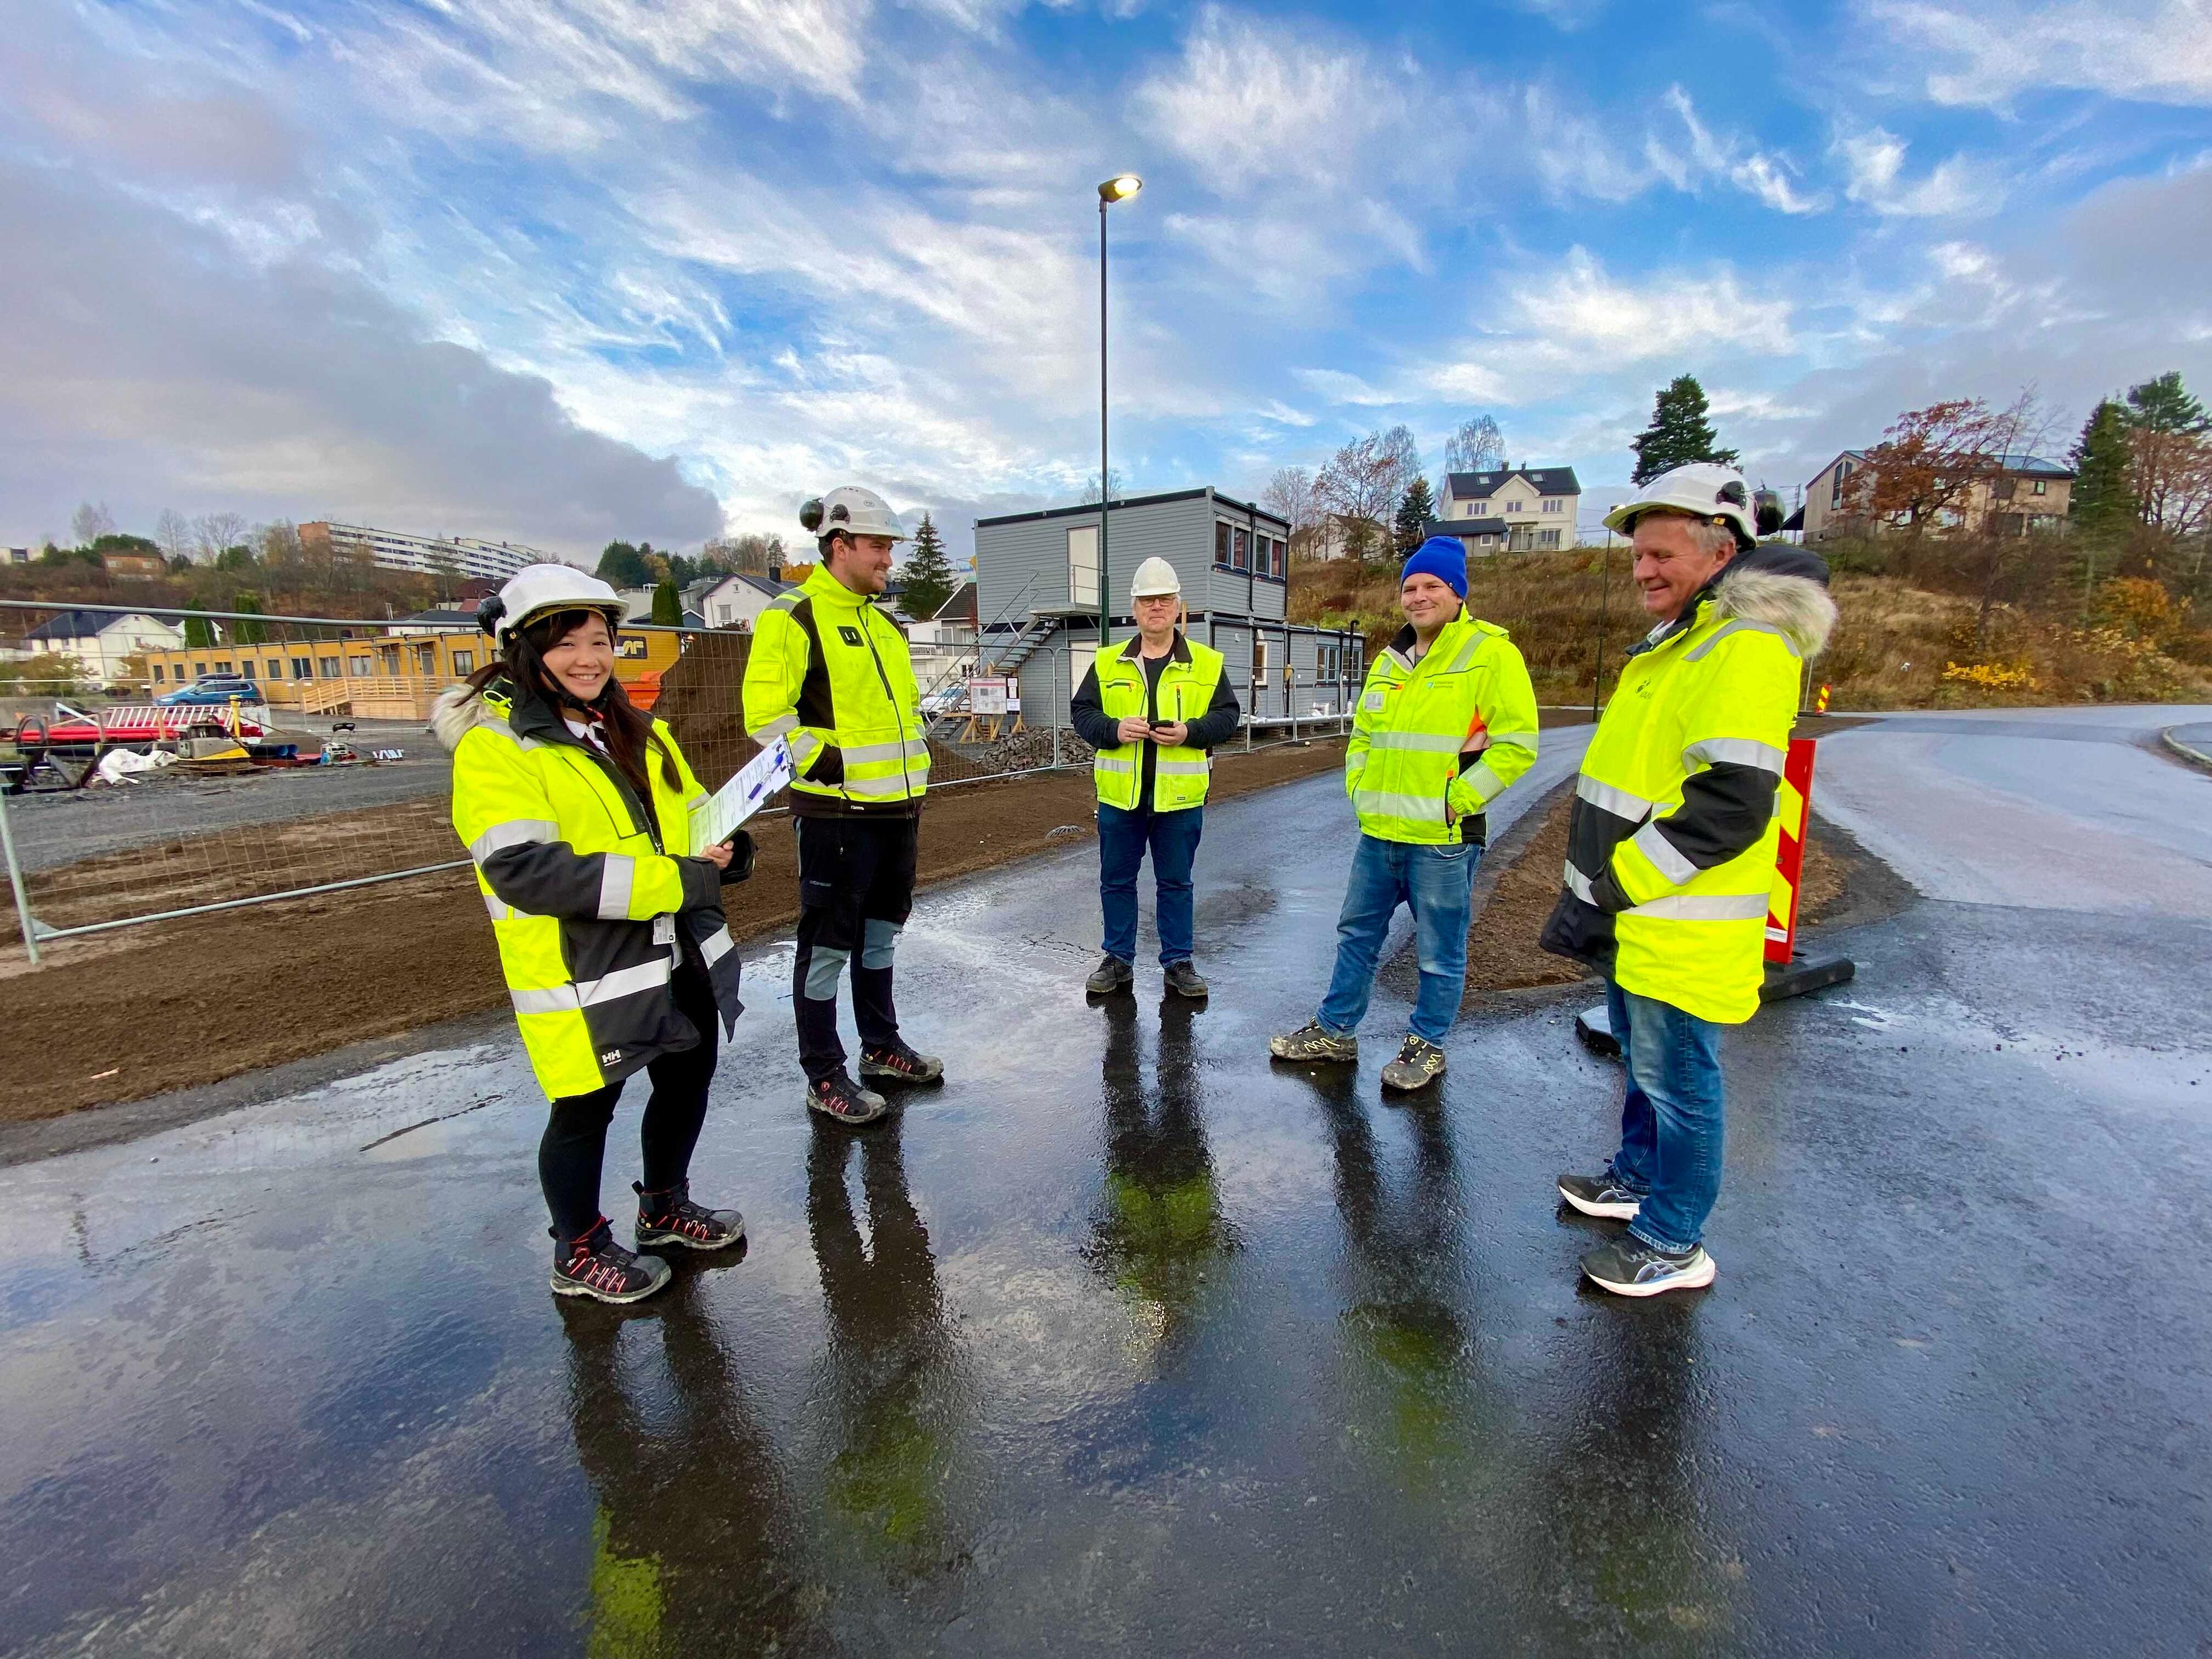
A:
(715, 818)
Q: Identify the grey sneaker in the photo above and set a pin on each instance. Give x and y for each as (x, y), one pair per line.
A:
(1603, 1195)
(1314, 1040)
(671, 1217)
(1184, 980)
(1420, 1063)
(1628, 1266)
(1111, 975)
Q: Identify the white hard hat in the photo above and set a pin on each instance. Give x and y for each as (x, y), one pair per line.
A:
(540, 590)
(856, 511)
(1154, 577)
(1705, 490)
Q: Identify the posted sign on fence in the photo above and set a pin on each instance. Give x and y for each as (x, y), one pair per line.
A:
(988, 695)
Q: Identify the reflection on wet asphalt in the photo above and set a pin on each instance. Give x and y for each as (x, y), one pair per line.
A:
(1125, 1338)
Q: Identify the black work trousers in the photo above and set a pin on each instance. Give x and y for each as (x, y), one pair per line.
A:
(576, 1141)
(856, 892)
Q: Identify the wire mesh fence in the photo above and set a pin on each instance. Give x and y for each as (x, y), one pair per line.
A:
(160, 763)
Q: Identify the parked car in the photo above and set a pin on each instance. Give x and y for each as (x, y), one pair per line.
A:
(213, 691)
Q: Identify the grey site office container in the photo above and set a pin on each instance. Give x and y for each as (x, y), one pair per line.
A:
(1021, 574)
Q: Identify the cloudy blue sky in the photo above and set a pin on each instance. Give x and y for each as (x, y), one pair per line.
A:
(563, 270)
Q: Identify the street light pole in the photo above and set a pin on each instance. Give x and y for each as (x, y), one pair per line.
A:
(1119, 188)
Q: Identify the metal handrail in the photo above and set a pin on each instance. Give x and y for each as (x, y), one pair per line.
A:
(1021, 594)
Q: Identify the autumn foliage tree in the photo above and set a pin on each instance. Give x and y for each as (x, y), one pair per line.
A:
(1363, 484)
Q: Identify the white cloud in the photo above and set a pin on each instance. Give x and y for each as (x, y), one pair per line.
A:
(2152, 51)
(1768, 177)
(1580, 307)
(1575, 155)
(1875, 160)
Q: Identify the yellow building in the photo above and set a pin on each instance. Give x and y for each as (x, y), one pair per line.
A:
(378, 676)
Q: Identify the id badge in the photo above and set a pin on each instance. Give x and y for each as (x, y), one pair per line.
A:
(1372, 703)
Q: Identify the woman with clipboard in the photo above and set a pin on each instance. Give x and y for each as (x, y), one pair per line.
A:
(575, 807)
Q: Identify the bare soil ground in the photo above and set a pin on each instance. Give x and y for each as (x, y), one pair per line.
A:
(121, 1016)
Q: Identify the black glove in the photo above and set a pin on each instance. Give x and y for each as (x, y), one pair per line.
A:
(741, 857)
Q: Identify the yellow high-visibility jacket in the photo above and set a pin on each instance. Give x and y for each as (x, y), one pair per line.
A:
(1670, 849)
(1403, 764)
(592, 893)
(1181, 773)
(831, 673)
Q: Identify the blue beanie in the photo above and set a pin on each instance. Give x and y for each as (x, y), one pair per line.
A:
(1443, 557)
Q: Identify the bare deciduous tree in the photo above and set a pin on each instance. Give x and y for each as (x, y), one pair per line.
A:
(279, 542)
(2170, 474)
(172, 534)
(1476, 446)
(1363, 484)
(90, 522)
(217, 532)
(1291, 496)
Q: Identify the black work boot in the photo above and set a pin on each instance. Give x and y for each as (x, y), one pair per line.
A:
(1183, 979)
(1111, 975)
(840, 1100)
(671, 1217)
(896, 1062)
(594, 1266)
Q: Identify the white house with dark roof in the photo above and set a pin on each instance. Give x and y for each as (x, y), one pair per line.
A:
(733, 601)
(1519, 510)
(101, 642)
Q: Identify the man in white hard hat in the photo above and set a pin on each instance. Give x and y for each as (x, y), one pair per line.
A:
(1153, 708)
(830, 673)
(1670, 850)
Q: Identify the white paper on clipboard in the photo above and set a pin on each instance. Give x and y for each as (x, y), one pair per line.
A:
(741, 797)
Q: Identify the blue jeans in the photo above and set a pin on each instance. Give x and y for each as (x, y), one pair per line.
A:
(1434, 883)
(1123, 837)
(1671, 1128)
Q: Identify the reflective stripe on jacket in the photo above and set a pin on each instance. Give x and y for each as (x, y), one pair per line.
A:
(1403, 763)
(590, 912)
(1187, 680)
(1671, 843)
(831, 673)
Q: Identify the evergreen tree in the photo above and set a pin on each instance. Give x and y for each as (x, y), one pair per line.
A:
(2104, 501)
(1680, 432)
(667, 606)
(249, 633)
(2165, 405)
(199, 632)
(622, 565)
(1412, 524)
(927, 576)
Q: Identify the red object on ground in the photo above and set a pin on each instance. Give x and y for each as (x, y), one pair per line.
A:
(1793, 805)
(141, 723)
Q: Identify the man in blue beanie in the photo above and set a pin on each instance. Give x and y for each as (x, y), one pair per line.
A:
(1446, 721)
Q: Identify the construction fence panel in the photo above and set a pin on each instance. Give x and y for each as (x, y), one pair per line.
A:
(322, 773)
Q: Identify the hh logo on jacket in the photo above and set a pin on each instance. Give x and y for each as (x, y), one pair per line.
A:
(850, 635)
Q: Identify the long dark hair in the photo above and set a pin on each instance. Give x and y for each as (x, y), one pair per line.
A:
(630, 737)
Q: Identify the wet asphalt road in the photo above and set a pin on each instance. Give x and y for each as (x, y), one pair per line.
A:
(1125, 1340)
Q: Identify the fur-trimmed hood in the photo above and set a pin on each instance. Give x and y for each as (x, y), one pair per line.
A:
(458, 709)
(1798, 605)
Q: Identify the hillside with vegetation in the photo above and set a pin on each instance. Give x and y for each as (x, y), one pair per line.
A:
(1903, 640)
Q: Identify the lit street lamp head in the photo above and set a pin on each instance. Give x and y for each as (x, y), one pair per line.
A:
(1120, 187)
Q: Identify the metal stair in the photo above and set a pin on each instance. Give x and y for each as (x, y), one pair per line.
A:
(1039, 629)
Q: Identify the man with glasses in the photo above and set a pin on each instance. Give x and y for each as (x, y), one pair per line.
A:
(1153, 708)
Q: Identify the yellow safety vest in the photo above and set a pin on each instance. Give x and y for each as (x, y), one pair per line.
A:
(1401, 767)
(1180, 774)
(583, 897)
(1712, 700)
(828, 667)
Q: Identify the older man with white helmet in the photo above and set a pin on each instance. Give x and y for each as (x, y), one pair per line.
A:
(1670, 850)
(1153, 708)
